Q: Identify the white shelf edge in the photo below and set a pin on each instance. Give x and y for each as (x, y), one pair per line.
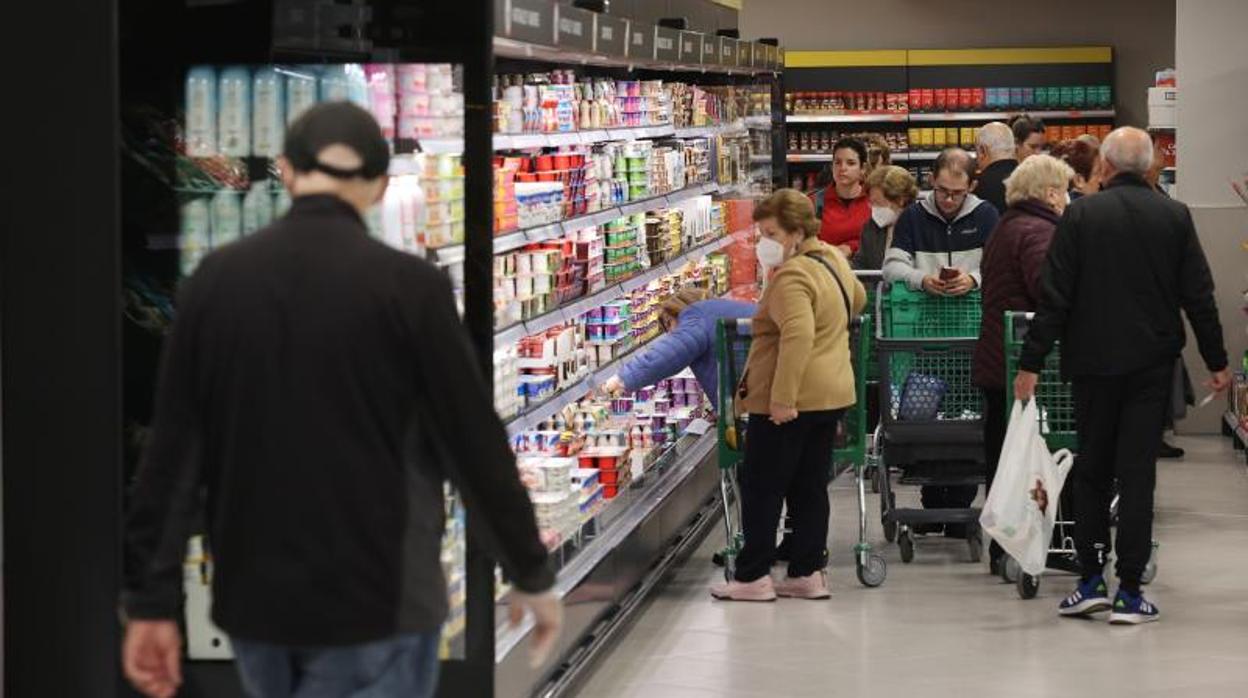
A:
(845, 118)
(637, 511)
(1009, 114)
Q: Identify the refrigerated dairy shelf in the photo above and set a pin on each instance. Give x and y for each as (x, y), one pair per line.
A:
(522, 50)
(523, 141)
(452, 254)
(894, 157)
(621, 519)
(580, 306)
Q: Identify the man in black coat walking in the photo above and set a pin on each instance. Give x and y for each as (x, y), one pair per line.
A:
(1122, 265)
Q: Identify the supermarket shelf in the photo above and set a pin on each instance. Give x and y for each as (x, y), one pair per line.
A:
(627, 515)
(880, 118)
(580, 306)
(1005, 115)
(758, 122)
(827, 157)
(511, 48)
(522, 141)
(442, 146)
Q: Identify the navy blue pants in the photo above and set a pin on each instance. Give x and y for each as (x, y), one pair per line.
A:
(401, 667)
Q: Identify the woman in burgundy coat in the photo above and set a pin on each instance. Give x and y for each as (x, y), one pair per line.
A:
(1036, 195)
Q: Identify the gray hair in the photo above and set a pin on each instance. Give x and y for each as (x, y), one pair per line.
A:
(1035, 176)
(996, 139)
(1128, 149)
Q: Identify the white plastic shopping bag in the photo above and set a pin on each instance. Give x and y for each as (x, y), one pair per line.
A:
(1011, 515)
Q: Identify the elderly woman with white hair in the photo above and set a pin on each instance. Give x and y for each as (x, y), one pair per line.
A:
(1036, 195)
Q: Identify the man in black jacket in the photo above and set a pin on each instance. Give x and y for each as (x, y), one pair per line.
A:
(309, 368)
(1121, 267)
(994, 153)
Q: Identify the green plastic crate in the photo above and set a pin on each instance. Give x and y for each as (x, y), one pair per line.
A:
(917, 315)
(1053, 395)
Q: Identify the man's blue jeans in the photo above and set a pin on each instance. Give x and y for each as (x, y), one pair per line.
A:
(402, 667)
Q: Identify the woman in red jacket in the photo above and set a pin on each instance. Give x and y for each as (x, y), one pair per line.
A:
(843, 206)
(1036, 195)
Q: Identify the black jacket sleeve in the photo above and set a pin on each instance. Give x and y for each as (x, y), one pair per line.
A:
(1196, 297)
(482, 465)
(166, 495)
(1058, 287)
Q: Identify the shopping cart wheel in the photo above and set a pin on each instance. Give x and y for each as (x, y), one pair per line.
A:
(1028, 586)
(872, 574)
(890, 527)
(1010, 570)
(975, 544)
(875, 479)
(905, 542)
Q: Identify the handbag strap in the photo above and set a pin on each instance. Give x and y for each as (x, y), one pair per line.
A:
(849, 313)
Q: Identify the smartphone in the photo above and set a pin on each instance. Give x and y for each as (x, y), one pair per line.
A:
(949, 273)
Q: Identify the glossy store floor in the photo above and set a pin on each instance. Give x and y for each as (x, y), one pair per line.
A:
(942, 627)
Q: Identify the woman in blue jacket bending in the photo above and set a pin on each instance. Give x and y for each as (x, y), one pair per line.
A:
(689, 321)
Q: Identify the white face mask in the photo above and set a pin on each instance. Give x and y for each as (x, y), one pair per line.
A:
(883, 216)
(1067, 195)
(770, 253)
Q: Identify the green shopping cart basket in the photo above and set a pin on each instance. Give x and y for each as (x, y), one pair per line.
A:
(1053, 394)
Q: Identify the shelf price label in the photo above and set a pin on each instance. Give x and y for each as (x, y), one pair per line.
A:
(666, 44)
(640, 40)
(610, 36)
(691, 47)
(574, 28)
(532, 21)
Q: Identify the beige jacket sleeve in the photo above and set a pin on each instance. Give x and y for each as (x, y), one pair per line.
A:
(792, 309)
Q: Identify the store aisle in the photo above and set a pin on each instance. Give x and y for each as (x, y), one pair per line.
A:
(943, 627)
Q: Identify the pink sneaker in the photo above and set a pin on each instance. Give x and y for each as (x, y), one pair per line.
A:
(760, 589)
(812, 587)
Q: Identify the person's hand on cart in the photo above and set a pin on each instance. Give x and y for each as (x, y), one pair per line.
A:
(1025, 385)
(781, 414)
(1041, 497)
(933, 285)
(960, 285)
(1219, 381)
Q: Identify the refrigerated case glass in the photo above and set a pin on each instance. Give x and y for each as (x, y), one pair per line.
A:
(202, 172)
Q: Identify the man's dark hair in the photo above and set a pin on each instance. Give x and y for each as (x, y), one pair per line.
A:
(1024, 125)
(853, 144)
(954, 160)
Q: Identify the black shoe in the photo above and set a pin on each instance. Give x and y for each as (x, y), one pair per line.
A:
(717, 559)
(1169, 452)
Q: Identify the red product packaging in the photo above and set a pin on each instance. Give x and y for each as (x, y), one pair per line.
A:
(940, 99)
(927, 99)
(916, 99)
(966, 98)
(977, 98)
(1165, 143)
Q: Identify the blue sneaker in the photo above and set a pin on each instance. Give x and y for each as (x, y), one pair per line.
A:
(1130, 609)
(1090, 597)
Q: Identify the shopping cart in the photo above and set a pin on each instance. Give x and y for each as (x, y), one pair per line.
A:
(1057, 426)
(871, 280)
(733, 341)
(931, 415)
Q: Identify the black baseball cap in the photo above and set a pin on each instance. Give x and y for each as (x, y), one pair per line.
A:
(337, 123)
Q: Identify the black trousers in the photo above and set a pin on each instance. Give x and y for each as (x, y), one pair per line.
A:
(996, 419)
(1118, 418)
(786, 462)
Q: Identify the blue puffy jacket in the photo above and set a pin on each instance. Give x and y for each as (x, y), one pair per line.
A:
(691, 344)
(924, 241)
